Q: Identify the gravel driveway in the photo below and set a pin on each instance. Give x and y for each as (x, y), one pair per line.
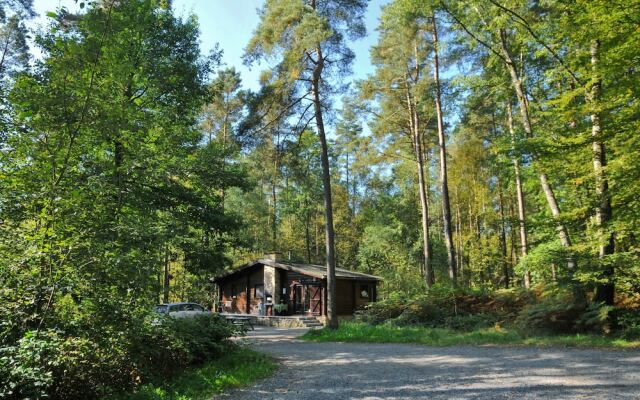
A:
(398, 371)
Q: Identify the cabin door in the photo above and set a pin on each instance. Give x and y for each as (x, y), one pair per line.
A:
(314, 300)
(307, 299)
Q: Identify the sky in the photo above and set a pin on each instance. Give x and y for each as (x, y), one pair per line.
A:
(231, 24)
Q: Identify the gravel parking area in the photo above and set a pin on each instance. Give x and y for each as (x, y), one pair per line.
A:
(399, 371)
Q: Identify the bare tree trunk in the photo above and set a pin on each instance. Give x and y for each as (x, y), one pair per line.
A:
(332, 316)
(522, 219)
(526, 122)
(503, 237)
(460, 258)
(274, 195)
(446, 207)
(307, 233)
(316, 236)
(427, 269)
(605, 291)
(167, 277)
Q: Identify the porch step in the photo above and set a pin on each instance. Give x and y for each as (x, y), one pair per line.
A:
(311, 322)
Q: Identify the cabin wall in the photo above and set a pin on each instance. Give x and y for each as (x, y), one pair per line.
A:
(241, 285)
(255, 278)
(350, 296)
(344, 297)
(252, 286)
(365, 293)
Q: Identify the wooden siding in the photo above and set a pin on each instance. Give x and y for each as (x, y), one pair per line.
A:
(243, 284)
(344, 297)
(348, 296)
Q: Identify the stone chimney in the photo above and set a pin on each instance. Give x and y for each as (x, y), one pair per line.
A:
(272, 278)
(273, 256)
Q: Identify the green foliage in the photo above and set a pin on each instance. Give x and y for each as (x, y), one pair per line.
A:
(364, 333)
(235, 368)
(53, 364)
(556, 311)
(542, 258)
(165, 345)
(445, 307)
(546, 310)
(104, 180)
(628, 322)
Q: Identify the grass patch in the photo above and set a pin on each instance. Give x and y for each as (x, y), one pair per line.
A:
(234, 369)
(365, 333)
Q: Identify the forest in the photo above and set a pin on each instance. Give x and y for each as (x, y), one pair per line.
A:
(494, 151)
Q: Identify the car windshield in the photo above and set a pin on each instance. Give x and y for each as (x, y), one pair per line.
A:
(184, 307)
(161, 309)
(192, 307)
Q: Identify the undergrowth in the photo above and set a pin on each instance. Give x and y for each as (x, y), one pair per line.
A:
(234, 369)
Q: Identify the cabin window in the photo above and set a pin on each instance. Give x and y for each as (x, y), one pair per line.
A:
(234, 291)
(365, 292)
(259, 291)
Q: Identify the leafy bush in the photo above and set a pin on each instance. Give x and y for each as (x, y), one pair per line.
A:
(166, 345)
(596, 318)
(22, 366)
(58, 366)
(553, 309)
(557, 310)
(628, 322)
(447, 307)
(381, 311)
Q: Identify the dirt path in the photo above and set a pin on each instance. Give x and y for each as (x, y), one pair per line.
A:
(396, 371)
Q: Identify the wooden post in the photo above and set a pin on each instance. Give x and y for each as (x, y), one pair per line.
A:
(303, 297)
(353, 306)
(247, 297)
(324, 299)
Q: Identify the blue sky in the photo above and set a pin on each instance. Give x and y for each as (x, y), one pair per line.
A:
(231, 23)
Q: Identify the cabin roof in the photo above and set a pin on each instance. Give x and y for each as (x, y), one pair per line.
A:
(313, 270)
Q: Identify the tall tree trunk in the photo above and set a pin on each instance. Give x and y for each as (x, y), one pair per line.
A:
(526, 122)
(427, 268)
(167, 277)
(460, 257)
(307, 233)
(503, 237)
(605, 291)
(274, 195)
(522, 218)
(316, 236)
(446, 207)
(332, 315)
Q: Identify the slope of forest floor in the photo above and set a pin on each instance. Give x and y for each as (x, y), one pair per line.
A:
(365, 333)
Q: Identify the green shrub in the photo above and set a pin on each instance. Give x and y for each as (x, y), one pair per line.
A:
(56, 365)
(166, 345)
(556, 311)
(470, 322)
(628, 322)
(23, 366)
(447, 307)
(596, 318)
(381, 311)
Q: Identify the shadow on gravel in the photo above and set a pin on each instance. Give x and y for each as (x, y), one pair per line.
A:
(395, 371)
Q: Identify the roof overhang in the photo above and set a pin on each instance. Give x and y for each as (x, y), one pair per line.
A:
(312, 270)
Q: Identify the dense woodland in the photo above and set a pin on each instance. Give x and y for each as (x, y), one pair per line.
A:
(496, 146)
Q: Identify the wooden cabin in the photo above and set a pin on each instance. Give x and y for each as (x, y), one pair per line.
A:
(272, 287)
